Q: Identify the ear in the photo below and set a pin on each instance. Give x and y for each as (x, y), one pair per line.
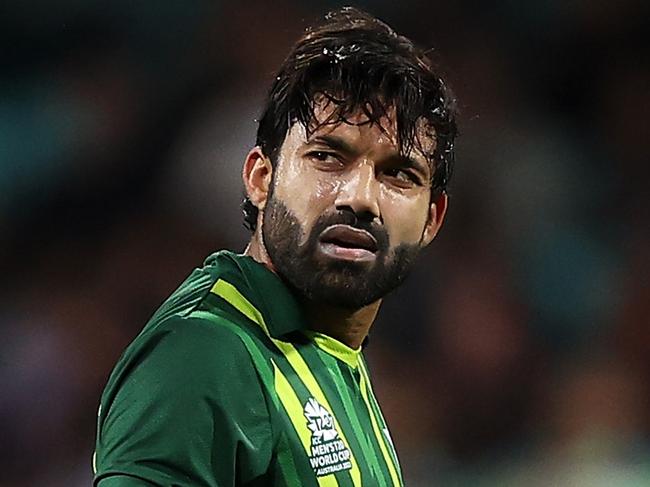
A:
(257, 174)
(437, 211)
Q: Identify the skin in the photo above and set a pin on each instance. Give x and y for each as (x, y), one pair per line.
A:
(355, 166)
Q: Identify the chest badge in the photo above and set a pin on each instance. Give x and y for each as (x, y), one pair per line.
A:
(328, 452)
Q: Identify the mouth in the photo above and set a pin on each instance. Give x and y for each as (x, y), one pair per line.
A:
(348, 243)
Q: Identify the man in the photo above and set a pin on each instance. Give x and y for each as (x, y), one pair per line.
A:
(251, 373)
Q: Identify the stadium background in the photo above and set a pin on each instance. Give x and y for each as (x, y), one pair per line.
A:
(518, 352)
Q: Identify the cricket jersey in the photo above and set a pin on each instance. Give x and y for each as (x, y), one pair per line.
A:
(225, 386)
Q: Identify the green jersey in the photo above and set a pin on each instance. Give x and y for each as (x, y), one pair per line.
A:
(226, 387)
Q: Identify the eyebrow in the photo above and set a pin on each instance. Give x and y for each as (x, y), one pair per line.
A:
(333, 142)
(339, 144)
(411, 163)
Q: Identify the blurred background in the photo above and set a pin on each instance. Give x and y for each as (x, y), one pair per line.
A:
(518, 353)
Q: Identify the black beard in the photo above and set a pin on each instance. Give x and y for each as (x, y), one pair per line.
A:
(344, 284)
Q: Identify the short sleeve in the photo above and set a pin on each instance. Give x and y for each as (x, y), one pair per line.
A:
(184, 406)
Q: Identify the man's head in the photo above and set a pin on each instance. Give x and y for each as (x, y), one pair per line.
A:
(354, 152)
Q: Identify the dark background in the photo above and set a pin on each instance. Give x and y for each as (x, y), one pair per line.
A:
(518, 352)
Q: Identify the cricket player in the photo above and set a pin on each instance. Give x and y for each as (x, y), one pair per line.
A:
(252, 373)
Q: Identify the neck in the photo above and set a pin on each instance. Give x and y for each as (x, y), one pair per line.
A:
(350, 327)
(347, 326)
(257, 250)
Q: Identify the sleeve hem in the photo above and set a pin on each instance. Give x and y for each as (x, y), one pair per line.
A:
(121, 479)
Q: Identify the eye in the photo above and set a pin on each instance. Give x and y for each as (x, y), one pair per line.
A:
(402, 177)
(324, 157)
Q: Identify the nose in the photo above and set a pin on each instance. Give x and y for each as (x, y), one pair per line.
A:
(359, 192)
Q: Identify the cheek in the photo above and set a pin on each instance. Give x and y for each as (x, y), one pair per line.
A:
(404, 216)
(305, 194)
(324, 192)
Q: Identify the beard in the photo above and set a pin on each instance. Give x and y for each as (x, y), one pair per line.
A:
(341, 283)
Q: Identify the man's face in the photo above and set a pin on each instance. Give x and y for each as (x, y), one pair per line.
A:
(347, 215)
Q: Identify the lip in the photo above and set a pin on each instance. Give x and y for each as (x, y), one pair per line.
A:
(347, 243)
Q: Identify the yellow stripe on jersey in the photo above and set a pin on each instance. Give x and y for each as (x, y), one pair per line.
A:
(339, 350)
(381, 439)
(294, 410)
(230, 293)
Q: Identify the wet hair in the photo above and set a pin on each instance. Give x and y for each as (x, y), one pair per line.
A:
(361, 65)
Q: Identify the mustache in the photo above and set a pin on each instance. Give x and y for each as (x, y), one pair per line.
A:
(350, 218)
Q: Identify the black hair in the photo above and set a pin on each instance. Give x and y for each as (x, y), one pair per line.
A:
(360, 64)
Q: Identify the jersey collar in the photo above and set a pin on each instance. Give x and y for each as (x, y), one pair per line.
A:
(263, 292)
(266, 291)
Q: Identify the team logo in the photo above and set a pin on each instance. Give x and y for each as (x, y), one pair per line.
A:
(328, 452)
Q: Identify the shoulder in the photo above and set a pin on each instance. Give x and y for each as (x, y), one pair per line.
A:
(185, 364)
(202, 332)
(191, 293)
(182, 394)
(180, 348)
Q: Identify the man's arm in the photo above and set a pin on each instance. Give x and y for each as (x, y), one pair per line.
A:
(185, 407)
